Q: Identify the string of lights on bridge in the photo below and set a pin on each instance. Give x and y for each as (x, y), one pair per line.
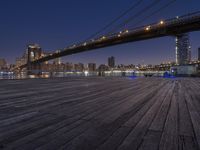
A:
(120, 34)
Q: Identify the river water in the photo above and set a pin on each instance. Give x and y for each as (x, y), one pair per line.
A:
(23, 75)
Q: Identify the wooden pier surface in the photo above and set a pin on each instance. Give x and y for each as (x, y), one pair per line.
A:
(100, 114)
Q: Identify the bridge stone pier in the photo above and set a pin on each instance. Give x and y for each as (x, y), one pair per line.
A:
(34, 53)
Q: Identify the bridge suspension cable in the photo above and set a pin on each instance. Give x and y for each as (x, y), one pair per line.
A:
(155, 12)
(185, 23)
(115, 20)
(130, 19)
(135, 16)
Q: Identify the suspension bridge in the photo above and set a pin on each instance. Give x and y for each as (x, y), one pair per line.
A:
(122, 34)
(168, 27)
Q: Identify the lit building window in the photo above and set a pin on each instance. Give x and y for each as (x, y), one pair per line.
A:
(32, 54)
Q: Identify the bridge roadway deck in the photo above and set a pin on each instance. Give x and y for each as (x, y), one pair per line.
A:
(100, 113)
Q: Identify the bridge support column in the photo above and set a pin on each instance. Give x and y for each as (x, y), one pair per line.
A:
(183, 49)
(34, 52)
(34, 69)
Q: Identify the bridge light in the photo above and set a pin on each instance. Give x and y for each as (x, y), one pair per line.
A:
(161, 22)
(103, 37)
(120, 32)
(86, 73)
(85, 44)
(147, 28)
(126, 31)
(119, 35)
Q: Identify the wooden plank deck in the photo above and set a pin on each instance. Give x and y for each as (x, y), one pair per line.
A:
(100, 113)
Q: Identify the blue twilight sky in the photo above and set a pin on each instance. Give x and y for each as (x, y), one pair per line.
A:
(55, 24)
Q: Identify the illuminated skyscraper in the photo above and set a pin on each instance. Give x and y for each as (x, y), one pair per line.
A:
(183, 49)
(68, 66)
(79, 67)
(91, 67)
(2, 63)
(199, 54)
(111, 62)
(103, 68)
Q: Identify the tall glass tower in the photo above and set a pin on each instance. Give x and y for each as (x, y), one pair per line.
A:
(199, 54)
(111, 62)
(183, 49)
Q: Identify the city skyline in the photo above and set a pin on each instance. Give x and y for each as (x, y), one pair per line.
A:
(100, 75)
(141, 61)
(43, 29)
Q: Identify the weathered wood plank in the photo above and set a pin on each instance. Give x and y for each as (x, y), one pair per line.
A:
(169, 139)
(100, 113)
(134, 139)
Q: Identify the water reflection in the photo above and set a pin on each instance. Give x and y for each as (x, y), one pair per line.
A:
(23, 75)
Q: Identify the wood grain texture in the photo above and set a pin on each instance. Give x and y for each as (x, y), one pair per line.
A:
(97, 113)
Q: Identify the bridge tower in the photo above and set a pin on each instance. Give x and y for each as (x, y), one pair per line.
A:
(183, 49)
(34, 53)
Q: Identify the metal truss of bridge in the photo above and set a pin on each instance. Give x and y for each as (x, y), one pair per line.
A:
(170, 27)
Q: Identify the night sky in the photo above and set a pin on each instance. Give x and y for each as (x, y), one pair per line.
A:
(55, 24)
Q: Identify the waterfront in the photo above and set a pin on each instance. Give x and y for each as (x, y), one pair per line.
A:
(100, 113)
(23, 75)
